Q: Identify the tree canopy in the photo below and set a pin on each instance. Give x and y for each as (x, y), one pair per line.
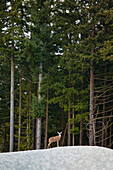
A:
(74, 42)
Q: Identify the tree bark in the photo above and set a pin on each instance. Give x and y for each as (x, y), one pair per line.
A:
(38, 120)
(28, 114)
(73, 136)
(103, 120)
(33, 133)
(91, 105)
(12, 91)
(38, 133)
(81, 132)
(46, 126)
(110, 138)
(12, 105)
(4, 136)
(91, 116)
(64, 134)
(27, 125)
(29, 108)
(94, 136)
(81, 121)
(68, 143)
(20, 108)
(69, 107)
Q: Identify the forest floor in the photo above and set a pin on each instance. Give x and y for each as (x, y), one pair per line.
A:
(60, 158)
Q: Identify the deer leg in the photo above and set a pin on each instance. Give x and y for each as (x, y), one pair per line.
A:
(57, 143)
(48, 145)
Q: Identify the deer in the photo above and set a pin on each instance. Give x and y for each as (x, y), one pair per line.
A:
(55, 139)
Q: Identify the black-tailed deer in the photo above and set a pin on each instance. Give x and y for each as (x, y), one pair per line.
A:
(55, 139)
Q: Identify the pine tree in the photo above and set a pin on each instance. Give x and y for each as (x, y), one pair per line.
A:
(11, 40)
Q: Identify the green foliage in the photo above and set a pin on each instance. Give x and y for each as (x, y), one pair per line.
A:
(107, 50)
(37, 107)
(61, 37)
(75, 130)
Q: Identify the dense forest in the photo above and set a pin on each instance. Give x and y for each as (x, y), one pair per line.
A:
(56, 73)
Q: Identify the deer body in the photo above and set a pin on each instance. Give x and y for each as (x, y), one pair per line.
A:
(55, 139)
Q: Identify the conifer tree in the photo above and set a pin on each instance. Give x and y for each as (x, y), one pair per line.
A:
(12, 34)
(92, 29)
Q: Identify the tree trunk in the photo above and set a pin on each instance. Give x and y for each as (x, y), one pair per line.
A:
(69, 105)
(28, 115)
(94, 136)
(91, 116)
(103, 120)
(38, 120)
(27, 125)
(29, 108)
(110, 138)
(68, 143)
(73, 136)
(64, 134)
(106, 136)
(81, 132)
(81, 121)
(12, 105)
(33, 133)
(12, 90)
(46, 127)
(62, 120)
(39, 83)
(38, 133)
(20, 108)
(4, 137)
(91, 105)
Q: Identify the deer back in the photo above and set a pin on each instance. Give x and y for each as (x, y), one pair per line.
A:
(54, 139)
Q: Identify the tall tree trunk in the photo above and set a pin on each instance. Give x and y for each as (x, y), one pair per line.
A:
(81, 121)
(91, 116)
(91, 105)
(38, 120)
(103, 120)
(33, 133)
(20, 108)
(69, 138)
(81, 131)
(12, 105)
(27, 128)
(28, 115)
(38, 133)
(73, 136)
(46, 126)
(106, 135)
(4, 136)
(12, 89)
(29, 104)
(64, 134)
(69, 107)
(27, 125)
(94, 136)
(110, 138)
(62, 120)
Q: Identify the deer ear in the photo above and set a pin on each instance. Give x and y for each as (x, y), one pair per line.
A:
(58, 132)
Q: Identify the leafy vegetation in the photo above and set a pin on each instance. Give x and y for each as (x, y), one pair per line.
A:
(74, 42)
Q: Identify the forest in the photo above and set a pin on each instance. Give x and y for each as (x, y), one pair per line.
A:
(56, 73)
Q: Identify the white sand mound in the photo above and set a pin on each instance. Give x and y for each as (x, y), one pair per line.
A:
(61, 158)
